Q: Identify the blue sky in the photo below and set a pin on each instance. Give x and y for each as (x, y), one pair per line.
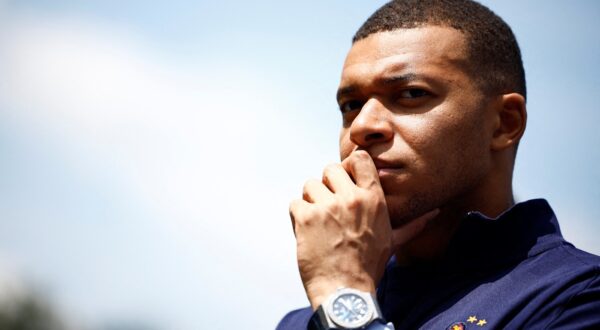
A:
(149, 150)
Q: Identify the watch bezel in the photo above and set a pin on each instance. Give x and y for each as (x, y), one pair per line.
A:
(365, 296)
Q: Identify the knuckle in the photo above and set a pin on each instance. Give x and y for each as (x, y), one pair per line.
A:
(332, 207)
(306, 220)
(329, 168)
(310, 183)
(302, 217)
(297, 209)
(361, 154)
(353, 201)
(292, 212)
(307, 185)
(380, 203)
(294, 206)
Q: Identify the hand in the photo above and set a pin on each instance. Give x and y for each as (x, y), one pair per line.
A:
(343, 232)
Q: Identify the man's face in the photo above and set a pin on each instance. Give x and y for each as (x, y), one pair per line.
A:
(407, 99)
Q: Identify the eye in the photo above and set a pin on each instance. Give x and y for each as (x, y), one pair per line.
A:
(413, 93)
(350, 106)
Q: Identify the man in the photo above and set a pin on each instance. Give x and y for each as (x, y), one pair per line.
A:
(432, 97)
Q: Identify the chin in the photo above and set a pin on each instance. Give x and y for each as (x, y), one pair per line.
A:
(402, 209)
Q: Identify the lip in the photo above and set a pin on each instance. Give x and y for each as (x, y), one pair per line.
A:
(384, 173)
(387, 165)
(385, 168)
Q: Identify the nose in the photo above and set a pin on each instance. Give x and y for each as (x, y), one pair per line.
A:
(372, 125)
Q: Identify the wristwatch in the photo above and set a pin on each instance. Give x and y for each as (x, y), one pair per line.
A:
(348, 309)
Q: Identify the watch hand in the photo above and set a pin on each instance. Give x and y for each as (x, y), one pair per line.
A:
(348, 306)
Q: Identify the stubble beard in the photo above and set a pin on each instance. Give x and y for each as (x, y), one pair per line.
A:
(449, 196)
(401, 213)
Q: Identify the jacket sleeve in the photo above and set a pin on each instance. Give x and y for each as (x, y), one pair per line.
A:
(582, 310)
(296, 320)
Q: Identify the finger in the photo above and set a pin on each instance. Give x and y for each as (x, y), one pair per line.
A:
(361, 168)
(336, 178)
(315, 191)
(296, 207)
(407, 232)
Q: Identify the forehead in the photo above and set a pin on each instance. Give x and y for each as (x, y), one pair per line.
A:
(424, 50)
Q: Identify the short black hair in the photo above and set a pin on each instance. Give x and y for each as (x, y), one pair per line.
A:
(494, 55)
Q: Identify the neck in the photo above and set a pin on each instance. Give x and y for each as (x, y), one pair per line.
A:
(493, 197)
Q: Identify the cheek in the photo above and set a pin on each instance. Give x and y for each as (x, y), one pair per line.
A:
(443, 141)
(426, 136)
(460, 150)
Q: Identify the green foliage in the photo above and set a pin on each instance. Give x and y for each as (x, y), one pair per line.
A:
(28, 313)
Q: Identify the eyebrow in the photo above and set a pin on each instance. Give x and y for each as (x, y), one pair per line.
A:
(393, 80)
(383, 81)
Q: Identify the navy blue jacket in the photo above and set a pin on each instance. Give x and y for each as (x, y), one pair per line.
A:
(512, 272)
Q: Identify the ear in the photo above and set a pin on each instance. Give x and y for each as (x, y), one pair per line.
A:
(511, 122)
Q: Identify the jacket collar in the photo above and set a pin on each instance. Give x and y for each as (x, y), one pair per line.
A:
(524, 230)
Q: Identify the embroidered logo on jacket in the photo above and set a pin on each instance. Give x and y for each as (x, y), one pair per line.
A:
(471, 321)
(456, 326)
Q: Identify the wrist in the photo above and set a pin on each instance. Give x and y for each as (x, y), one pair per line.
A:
(318, 292)
(349, 308)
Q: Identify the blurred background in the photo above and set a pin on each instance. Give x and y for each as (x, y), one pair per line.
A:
(149, 149)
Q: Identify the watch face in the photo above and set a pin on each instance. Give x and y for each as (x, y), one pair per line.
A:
(350, 310)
